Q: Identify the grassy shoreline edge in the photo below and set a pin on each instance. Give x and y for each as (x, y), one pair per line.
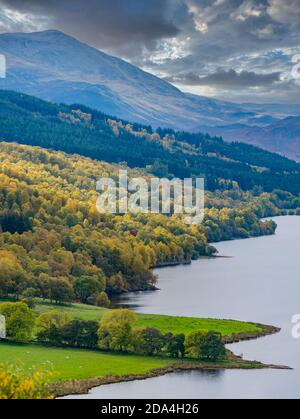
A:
(97, 368)
(83, 386)
(265, 330)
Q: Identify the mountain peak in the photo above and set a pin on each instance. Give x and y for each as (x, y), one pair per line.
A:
(57, 67)
(47, 35)
(53, 31)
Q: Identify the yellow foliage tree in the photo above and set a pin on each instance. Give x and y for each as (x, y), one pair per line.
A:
(16, 384)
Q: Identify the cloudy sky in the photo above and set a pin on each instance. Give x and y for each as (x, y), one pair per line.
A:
(241, 50)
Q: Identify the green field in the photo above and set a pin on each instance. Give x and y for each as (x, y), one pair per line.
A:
(188, 324)
(79, 311)
(73, 364)
(165, 324)
(76, 364)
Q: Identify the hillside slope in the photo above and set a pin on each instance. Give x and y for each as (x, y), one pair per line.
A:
(77, 129)
(52, 235)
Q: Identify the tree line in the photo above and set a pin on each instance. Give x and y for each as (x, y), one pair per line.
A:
(116, 332)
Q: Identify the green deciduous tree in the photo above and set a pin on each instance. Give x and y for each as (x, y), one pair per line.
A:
(194, 342)
(213, 348)
(60, 290)
(174, 345)
(20, 321)
(80, 334)
(87, 286)
(148, 341)
(115, 330)
(205, 345)
(49, 326)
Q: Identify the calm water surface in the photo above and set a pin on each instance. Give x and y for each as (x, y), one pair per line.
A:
(261, 283)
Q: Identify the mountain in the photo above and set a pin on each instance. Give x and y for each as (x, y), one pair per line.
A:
(56, 67)
(163, 152)
(282, 137)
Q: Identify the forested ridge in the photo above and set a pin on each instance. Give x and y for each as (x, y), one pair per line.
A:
(54, 244)
(77, 129)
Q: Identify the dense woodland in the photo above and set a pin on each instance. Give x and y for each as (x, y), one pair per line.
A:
(77, 129)
(54, 244)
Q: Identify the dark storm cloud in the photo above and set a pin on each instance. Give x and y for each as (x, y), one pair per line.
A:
(215, 28)
(180, 39)
(227, 79)
(119, 25)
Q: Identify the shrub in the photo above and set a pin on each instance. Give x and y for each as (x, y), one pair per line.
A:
(15, 384)
(103, 300)
(20, 321)
(49, 326)
(30, 302)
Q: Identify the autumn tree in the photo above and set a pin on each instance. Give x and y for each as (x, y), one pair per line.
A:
(116, 284)
(15, 383)
(103, 300)
(13, 278)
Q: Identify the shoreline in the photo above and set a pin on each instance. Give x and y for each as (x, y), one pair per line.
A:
(214, 255)
(172, 263)
(83, 386)
(78, 387)
(242, 337)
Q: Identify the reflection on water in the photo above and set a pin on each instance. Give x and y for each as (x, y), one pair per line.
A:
(260, 283)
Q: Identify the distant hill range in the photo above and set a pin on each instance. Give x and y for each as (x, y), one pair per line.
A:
(281, 137)
(56, 67)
